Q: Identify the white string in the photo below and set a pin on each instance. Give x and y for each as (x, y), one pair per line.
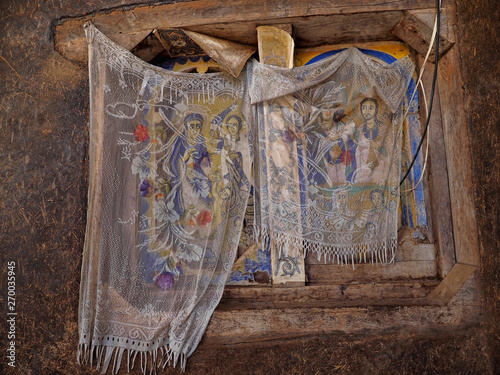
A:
(419, 82)
(434, 32)
(426, 146)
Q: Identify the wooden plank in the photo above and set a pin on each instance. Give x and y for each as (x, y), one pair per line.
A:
(418, 35)
(470, 293)
(74, 46)
(458, 156)
(334, 274)
(428, 16)
(438, 187)
(120, 24)
(451, 284)
(412, 251)
(230, 327)
(316, 30)
(340, 295)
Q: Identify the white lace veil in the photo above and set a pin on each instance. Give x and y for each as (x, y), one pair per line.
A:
(328, 165)
(169, 167)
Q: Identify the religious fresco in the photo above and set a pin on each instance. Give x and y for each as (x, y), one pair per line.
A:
(412, 209)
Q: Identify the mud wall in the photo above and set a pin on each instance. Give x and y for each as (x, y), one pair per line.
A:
(480, 52)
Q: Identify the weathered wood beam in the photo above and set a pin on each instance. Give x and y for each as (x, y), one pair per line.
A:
(458, 157)
(124, 24)
(240, 326)
(418, 35)
(330, 274)
(339, 295)
(451, 284)
(439, 192)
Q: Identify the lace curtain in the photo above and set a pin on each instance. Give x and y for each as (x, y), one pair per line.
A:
(169, 168)
(328, 166)
(170, 173)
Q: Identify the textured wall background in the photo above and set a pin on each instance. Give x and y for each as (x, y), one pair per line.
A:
(478, 30)
(43, 147)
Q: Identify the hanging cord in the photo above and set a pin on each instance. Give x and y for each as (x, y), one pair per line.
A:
(426, 146)
(434, 78)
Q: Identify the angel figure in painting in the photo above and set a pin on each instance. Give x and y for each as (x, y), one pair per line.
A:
(369, 152)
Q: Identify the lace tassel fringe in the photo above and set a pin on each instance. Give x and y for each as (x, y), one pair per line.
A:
(153, 359)
(381, 252)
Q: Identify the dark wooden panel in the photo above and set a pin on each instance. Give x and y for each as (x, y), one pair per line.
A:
(451, 284)
(418, 35)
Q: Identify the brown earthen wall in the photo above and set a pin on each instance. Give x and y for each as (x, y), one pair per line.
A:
(478, 25)
(43, 185)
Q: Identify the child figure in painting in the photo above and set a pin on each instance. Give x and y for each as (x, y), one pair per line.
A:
(340, 158)
(369, 153)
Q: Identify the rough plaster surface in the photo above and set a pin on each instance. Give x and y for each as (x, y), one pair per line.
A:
(478, 23)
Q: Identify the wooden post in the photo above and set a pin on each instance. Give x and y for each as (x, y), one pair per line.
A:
(458, 157)
(439, 193)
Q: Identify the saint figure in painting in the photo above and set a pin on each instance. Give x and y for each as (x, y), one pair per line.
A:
(344, 215)
(369, 152)
(233, 126)
(380, 214)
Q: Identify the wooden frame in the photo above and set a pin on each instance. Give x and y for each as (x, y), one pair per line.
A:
(448, 300)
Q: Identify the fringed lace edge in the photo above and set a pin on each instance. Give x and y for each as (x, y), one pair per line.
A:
(377, 252)
(101, 357)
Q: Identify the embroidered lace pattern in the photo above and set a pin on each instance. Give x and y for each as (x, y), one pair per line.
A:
(329, 150)
(169, 167)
